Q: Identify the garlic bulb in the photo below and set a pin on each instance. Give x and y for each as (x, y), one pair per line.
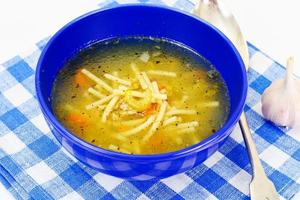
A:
(281, 100)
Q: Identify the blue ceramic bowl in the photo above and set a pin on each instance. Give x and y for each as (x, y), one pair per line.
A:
(141, 20)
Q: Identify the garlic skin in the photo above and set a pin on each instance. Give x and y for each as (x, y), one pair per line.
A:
(281, 100)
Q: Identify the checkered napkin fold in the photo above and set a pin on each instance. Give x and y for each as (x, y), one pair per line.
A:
(33, 164)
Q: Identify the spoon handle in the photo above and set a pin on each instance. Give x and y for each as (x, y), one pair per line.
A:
(252, 152)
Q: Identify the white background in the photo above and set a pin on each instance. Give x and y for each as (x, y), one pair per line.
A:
(271, 25)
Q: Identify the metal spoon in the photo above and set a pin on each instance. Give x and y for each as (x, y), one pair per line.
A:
(216, 13)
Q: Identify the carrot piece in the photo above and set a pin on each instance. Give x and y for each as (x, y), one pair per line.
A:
(151, 109)
(76, 119)
(161, 87)
(81, 80)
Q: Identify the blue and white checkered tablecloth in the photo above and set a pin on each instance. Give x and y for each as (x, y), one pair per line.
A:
(33, 165)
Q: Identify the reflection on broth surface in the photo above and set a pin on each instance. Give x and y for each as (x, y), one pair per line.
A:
(140, 96)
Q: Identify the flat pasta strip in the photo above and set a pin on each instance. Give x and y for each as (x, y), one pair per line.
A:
(138, 94)
(157, 122)
(187, 130)
(142, 81)
(101, 107)
(162, 73)
(99, 102)
(147, 80)
(122, 87)
(141, 127)
(127, 112)
(117, 79)
(160, 96)
(96, 93)
(118, 92)
(96, 79)
(156, 93)
(184, 125)
(210, 104)
(171, 120)
(155, 87)
(109, 108)
(138, 76)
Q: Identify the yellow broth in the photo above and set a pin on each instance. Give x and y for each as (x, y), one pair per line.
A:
(197, 90)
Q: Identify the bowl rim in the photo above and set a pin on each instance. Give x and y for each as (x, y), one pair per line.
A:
(206, 143)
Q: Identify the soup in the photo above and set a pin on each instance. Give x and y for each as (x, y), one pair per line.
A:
(140, 96)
